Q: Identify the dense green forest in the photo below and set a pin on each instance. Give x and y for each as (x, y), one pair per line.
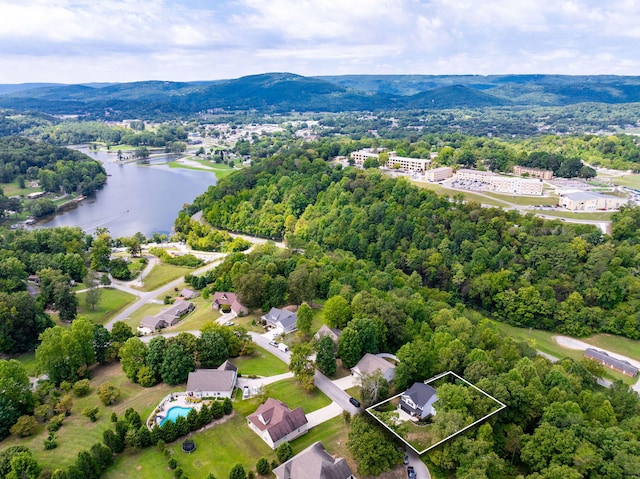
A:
(58, 170)
(526, 271)
(557, 421)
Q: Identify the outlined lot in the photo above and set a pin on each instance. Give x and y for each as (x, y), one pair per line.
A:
(459, 406)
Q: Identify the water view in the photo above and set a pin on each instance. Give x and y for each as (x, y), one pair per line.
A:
(135, 198)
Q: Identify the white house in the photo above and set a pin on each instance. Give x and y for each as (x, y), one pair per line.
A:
(370, 363)
(213, 383)
(281, 320)
(275, 423)
(418, 400)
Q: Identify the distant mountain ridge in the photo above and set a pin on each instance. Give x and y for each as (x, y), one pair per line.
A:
(282, 92)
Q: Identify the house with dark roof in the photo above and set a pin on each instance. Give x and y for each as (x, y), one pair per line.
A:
(418, 400)
(622, 366)
(314, 462)
(231, 299)
(166, 318)
(281, 320)
(370, 363)
(275, 423)
(213, 383)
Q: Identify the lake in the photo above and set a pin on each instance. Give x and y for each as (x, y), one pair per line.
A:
(135, 198)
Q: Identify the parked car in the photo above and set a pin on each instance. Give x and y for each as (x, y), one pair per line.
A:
(283, 347)
(245, 392)
(355, 402)
(273, 343)
(411, 472)
(406, 460)
(229, 323)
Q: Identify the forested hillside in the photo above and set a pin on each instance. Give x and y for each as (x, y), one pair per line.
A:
(524, 270)
(284, 92)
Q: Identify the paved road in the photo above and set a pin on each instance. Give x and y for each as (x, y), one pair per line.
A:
(145, 297)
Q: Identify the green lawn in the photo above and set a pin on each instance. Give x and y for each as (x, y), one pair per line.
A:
(525, 200)
(287, 391)
(260, 363)
(77, 432)
(112, 301)
(632, 181)
(12, 189)
(162, 274)
(333, 434)
(28, 360)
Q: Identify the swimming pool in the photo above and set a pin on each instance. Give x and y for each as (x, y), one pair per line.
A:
(174, 413)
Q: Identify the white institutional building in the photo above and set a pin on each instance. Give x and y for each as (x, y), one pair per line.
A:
(501, 184)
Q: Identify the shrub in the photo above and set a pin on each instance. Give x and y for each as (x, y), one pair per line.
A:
(172, 463)
(178, 473)
(238, 472)
(50, 442)
(263, 467)
(91, 413)
(55, 423)
(284, 452)
(82, 387)
(64, 405)
(25, 426)
(108, 394)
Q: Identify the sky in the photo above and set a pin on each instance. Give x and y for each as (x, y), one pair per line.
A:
(81, 41)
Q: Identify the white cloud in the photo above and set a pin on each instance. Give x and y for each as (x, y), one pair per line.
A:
(123, 40)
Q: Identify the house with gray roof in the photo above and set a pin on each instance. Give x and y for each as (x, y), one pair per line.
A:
(275, 423)
(314, 462)
(325, 330)
(370, 363)
(418, 401)
(213, 383)
(281, 320)
(166, 318)
(624, 367)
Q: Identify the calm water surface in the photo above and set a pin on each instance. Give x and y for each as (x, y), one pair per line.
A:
(135, 198)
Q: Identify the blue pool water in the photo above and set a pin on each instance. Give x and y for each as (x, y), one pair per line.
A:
(174, 413)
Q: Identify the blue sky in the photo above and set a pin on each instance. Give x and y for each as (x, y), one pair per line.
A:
(75, 41)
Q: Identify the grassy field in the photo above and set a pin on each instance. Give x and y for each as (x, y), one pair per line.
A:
(632, 181)
(77, 432)
(261, 363)
(162, 274)
(543, 341)
(112, 301)
(525, 200)
(219, 169)
(218, 449)
(13, 189)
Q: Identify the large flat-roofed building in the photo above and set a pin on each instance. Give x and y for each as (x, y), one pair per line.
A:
(438, 174)
(360, 156)
(407, 164)
(490, 181)
(587, 201)
(535, 172)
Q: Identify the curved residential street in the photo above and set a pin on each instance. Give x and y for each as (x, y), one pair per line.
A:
(334, 390)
